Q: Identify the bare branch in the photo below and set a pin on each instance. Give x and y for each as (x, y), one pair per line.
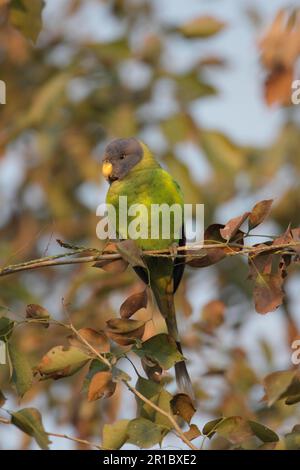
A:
(191, 251)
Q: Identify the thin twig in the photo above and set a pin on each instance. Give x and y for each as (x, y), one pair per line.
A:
(75, 439)
(4, 421)
(183, 252)
(172, 420)
(63, 436)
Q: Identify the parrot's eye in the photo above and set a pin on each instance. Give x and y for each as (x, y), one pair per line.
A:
(122, 157)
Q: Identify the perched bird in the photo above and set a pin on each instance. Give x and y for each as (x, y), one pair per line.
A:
(132, 171)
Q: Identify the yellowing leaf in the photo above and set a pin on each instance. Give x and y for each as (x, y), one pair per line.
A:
(22, 376)
(221, 152)
(6, 328)
(29, 421)
(115, 435)
(202, 27)
(26, 15)
(277, 384)
(60, 362)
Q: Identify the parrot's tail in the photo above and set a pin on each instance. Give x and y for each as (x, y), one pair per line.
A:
(167, 309)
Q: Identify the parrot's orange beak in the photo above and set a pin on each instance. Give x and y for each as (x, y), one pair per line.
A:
(107, 169)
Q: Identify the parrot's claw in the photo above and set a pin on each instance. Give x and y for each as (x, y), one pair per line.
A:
(173, 249)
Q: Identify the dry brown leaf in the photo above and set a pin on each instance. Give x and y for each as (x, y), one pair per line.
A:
(101, 385)
(134, 303)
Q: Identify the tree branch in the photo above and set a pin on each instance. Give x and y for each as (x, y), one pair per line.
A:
(191, 251)
(63, 436)
(75, 439)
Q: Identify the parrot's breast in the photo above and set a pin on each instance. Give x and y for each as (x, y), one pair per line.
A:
(147, 216)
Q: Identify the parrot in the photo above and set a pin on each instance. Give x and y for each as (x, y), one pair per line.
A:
(132, 171)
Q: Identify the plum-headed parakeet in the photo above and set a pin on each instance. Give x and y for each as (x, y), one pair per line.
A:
(132, 171)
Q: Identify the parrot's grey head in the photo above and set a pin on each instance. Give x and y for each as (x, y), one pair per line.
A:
(120, 156)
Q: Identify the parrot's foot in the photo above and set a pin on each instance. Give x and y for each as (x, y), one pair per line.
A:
(173, 250)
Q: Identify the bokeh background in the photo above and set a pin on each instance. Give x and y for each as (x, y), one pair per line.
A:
(106, 69)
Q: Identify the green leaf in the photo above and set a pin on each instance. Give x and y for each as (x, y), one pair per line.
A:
(60, 362)
(191, 87)
(115, 435)
(46, 100)
(22, 376)
(157, 395)
(119, 375)
(222, 153)
(26, 15)
(161, 348)
(176, 128)
(209, 428)
(29, 420)
(148, 389)
(262, 432)
(6, 328)
(163, 401)
(292, 440)
(143, 433)
(235, 429)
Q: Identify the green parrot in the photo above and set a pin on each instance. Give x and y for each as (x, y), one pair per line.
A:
(132, 171)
